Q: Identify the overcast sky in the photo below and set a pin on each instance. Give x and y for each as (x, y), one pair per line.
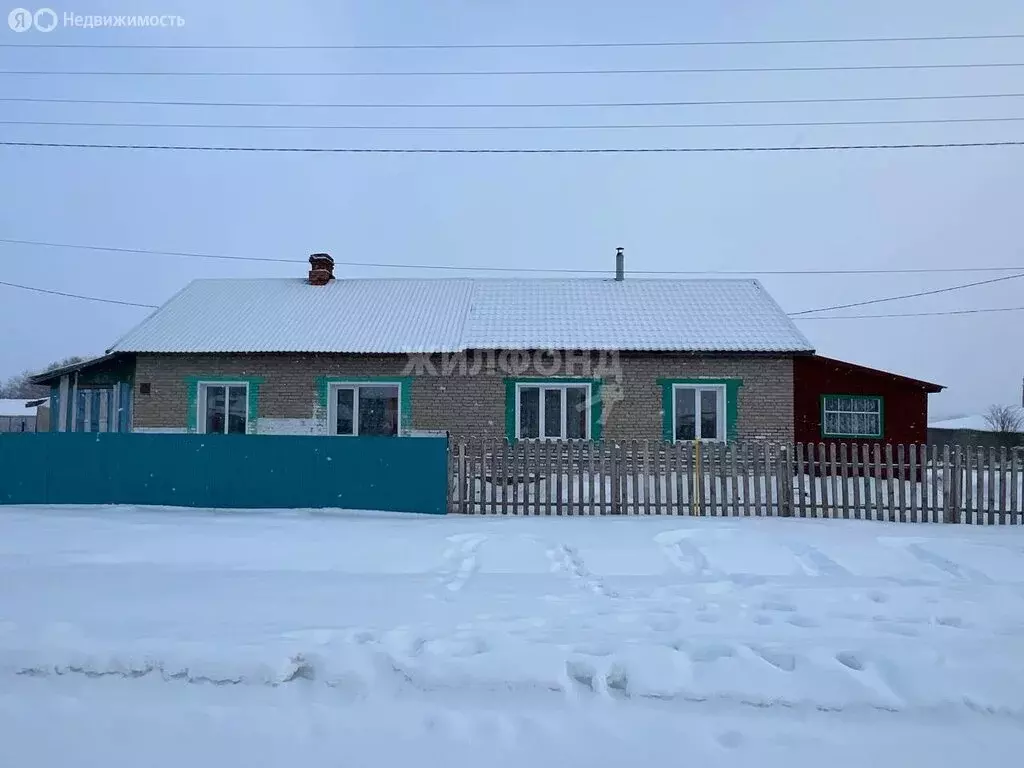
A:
(811, 210)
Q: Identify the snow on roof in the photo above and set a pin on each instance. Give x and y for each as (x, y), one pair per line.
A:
(449, 315)
(16, 407)
(976, 422)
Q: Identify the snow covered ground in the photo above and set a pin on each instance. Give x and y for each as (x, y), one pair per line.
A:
(171, 638)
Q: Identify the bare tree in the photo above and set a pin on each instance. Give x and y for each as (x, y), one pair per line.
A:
(18, 387)
(1005, 418)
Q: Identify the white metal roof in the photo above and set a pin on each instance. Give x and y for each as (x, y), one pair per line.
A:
(447, 315)
(16, 407)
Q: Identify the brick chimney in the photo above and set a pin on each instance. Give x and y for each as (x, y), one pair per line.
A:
(321, 269)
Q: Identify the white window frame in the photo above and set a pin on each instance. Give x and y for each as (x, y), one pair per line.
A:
(722, 391)
(825, 410)
(202, 387)
(332, 404)
(563, 386)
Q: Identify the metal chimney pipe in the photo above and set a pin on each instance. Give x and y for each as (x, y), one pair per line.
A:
(620, 265)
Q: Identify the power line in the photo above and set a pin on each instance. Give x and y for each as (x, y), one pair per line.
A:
(910, 295)
(917, 314)
(464, 46)
(578, 105)
(542, 270)
(557, 127)
(514, 151)
(522, 72)
(34, 289)
(83, 297)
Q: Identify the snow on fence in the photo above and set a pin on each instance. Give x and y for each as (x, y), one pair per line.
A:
(915, 483)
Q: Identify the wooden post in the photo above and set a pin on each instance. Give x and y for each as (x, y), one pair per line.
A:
(544, 471)
(755, 456)
(1015, 495)
(645, 469)
(503, 475)
(901, 475)
(833, 480)
(698, 477)
(915, 515)
(812, 472)
(968, 490)
(865, 473)
(688, 475)
(486, 476)
(709, 455)
(786, 506)
(657, 471)
(801, 482)
(735, 471)
(1004, 495)
(948, 487)
(990, 488)
(878, 512)
(615, 485)
(680, 477)
(591, 487)
(556, 467)
(602, 459)
(858, 478)
(632, 484)
(844, 476)
(956, 502)
(531, 456)
(460, 497)
(570, 477)
(936, 483)
(890, 491)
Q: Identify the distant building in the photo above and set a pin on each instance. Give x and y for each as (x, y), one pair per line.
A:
(22, 415)
(972, 432)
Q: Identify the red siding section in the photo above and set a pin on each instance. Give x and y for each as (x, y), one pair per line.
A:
(905, 401)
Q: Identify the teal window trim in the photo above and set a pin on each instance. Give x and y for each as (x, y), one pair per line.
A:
(192, 384)
(732, 404)
(323, 391)
(512, 402)
(881, 416)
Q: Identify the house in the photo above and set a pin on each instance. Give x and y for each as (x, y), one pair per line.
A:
(22, 415)
(90, 396)
(840, 402)
(972, 432)
(589, 359)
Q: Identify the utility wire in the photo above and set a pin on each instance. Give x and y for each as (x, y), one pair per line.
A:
(512, 151)
(558, 127)
(578, 105)
(983, 310)
(520, 72)
(34, 289)
(464, 46)
(910, 295)
(542, 270)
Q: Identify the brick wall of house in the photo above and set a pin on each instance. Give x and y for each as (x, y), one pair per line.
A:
(464, 405)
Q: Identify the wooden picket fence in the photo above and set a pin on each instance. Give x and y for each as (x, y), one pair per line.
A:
(915, 483)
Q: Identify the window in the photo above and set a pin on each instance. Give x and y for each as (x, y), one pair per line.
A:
(553, 411)
(364, 409)
(851, 416)
(698, 412)
(223, 408)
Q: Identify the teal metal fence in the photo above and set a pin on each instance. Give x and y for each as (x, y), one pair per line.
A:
(400, 474)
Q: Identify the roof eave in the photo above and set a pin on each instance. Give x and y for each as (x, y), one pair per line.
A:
(47, 377)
